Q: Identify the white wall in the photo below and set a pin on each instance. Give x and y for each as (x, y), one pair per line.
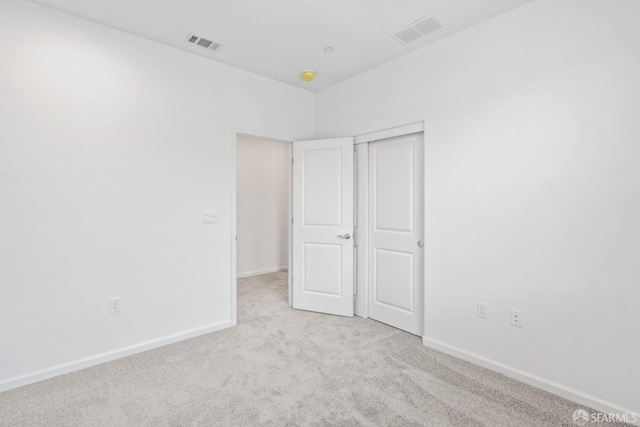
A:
(532, 185)
(263, 193)
(110, 148)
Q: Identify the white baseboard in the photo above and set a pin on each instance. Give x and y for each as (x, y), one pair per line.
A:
(98, 359)
(259, 272)
(533, 380)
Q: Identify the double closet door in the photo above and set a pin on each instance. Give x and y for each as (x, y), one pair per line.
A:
(388, 254)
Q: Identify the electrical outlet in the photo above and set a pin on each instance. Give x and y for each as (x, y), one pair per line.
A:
(516, 318)
(483, 310)
(114, 304)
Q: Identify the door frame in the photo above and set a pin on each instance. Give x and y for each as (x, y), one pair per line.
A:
(252, 133)
(361, 307)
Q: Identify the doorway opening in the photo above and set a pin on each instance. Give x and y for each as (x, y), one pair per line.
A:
(263, 210)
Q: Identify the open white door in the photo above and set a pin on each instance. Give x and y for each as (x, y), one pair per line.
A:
(323, 202)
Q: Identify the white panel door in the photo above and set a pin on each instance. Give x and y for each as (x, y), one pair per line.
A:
(396, 212)
(323, 202)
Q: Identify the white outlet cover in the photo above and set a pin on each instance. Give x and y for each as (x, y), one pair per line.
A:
(483, 310)
(517, 318)
(114, 305)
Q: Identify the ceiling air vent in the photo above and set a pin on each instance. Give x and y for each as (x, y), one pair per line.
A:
(207, 44)
(418, 29)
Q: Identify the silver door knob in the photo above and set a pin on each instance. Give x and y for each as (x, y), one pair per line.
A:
(345, 236)
(420, 244)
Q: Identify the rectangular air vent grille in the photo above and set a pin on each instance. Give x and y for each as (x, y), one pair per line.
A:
(202, 42)
(418, 29)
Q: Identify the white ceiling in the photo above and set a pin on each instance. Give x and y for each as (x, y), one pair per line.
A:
(281, 38)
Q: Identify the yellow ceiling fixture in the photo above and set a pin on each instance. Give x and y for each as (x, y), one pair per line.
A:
(308, 75)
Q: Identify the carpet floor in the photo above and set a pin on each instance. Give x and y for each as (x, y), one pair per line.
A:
(283, 367)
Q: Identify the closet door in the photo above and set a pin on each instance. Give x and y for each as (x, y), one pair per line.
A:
(396, 212)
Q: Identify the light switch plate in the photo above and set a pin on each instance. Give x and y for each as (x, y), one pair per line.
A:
(209, 217)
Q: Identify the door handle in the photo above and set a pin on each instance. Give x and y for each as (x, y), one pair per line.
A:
(421, 244)
(345, 236)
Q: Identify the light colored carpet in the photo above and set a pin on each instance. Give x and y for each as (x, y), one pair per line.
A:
(283, 367)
